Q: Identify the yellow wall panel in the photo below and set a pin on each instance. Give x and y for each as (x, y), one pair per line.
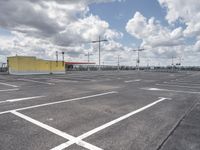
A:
(12, 61)
(32, 65)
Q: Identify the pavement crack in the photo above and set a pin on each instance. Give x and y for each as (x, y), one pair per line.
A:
(177, 124)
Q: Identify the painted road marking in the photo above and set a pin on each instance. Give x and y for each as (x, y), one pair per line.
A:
(58, 102)
(167, 90)
(183, 83)
(21, 99)
(7, 90)
(130, 81)
(87, 134)
(56, 131)
(64, 81)
(28, 80)
(42, 78)
(178, 85)
(74, 78)
(11, 85)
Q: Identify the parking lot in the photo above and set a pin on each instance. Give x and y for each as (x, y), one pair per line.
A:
(110, 110)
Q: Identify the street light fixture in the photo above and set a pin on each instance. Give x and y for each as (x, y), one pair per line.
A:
(57, 58)
(88, 55)
(99, 41)
(118, 62)
(63, 56)
(138, 59)
(173, 63)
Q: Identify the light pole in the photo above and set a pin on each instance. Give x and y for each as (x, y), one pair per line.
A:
(173, 63)
(118, 58)
(138, 59)
(99, 41)
(180, 62)
(148, 64)
(57, 58)
(63, 56)
(88, 55)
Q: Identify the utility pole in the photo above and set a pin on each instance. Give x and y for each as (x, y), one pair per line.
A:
(180, 62)
(63, 56)
(138, 59)
(148, 64)
(56, 58)
(100, 41)
(88, 55)
(173, 63)
(118, 62)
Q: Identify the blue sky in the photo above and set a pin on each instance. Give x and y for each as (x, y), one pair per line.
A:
(117, 14)
(165, 28)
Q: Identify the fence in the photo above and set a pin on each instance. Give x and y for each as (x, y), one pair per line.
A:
(3, 67)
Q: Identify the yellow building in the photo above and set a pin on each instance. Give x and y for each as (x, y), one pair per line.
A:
(22, 65)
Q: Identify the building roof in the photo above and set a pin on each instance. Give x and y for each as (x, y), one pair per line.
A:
(79, 63)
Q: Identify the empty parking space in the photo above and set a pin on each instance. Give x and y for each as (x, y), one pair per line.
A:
(82, 116)
(17, 134)
(95, 110)
(145, 130)
(9, 85)
(6, 87)
(187, 134)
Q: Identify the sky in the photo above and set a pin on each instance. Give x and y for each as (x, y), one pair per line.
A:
(164, 28)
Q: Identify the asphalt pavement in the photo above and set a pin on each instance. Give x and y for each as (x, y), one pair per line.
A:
(110, 110)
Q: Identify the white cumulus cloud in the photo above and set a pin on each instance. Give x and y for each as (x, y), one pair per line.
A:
(152, 33)
(41, 27)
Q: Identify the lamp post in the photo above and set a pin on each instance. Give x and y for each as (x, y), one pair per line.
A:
(138, 55)
(63, 56)
(57, 58)
(173, 63)
(180, 62)
(88, 55)
(118, 58)
(100, 41)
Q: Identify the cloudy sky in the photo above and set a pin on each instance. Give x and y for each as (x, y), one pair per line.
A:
(165, 28)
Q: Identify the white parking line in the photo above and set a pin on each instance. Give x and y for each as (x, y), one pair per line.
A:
(87, 134)
(56, 131)
(42, 78)
(64, 81)
(58, 102)
(7, 90)
(8, 84)
(177, 91)
(21, 99)
(183, 83)
(130, 81)
(28, 80)
(178, 85)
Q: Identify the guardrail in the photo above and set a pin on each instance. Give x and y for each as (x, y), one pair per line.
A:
(3, 70)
